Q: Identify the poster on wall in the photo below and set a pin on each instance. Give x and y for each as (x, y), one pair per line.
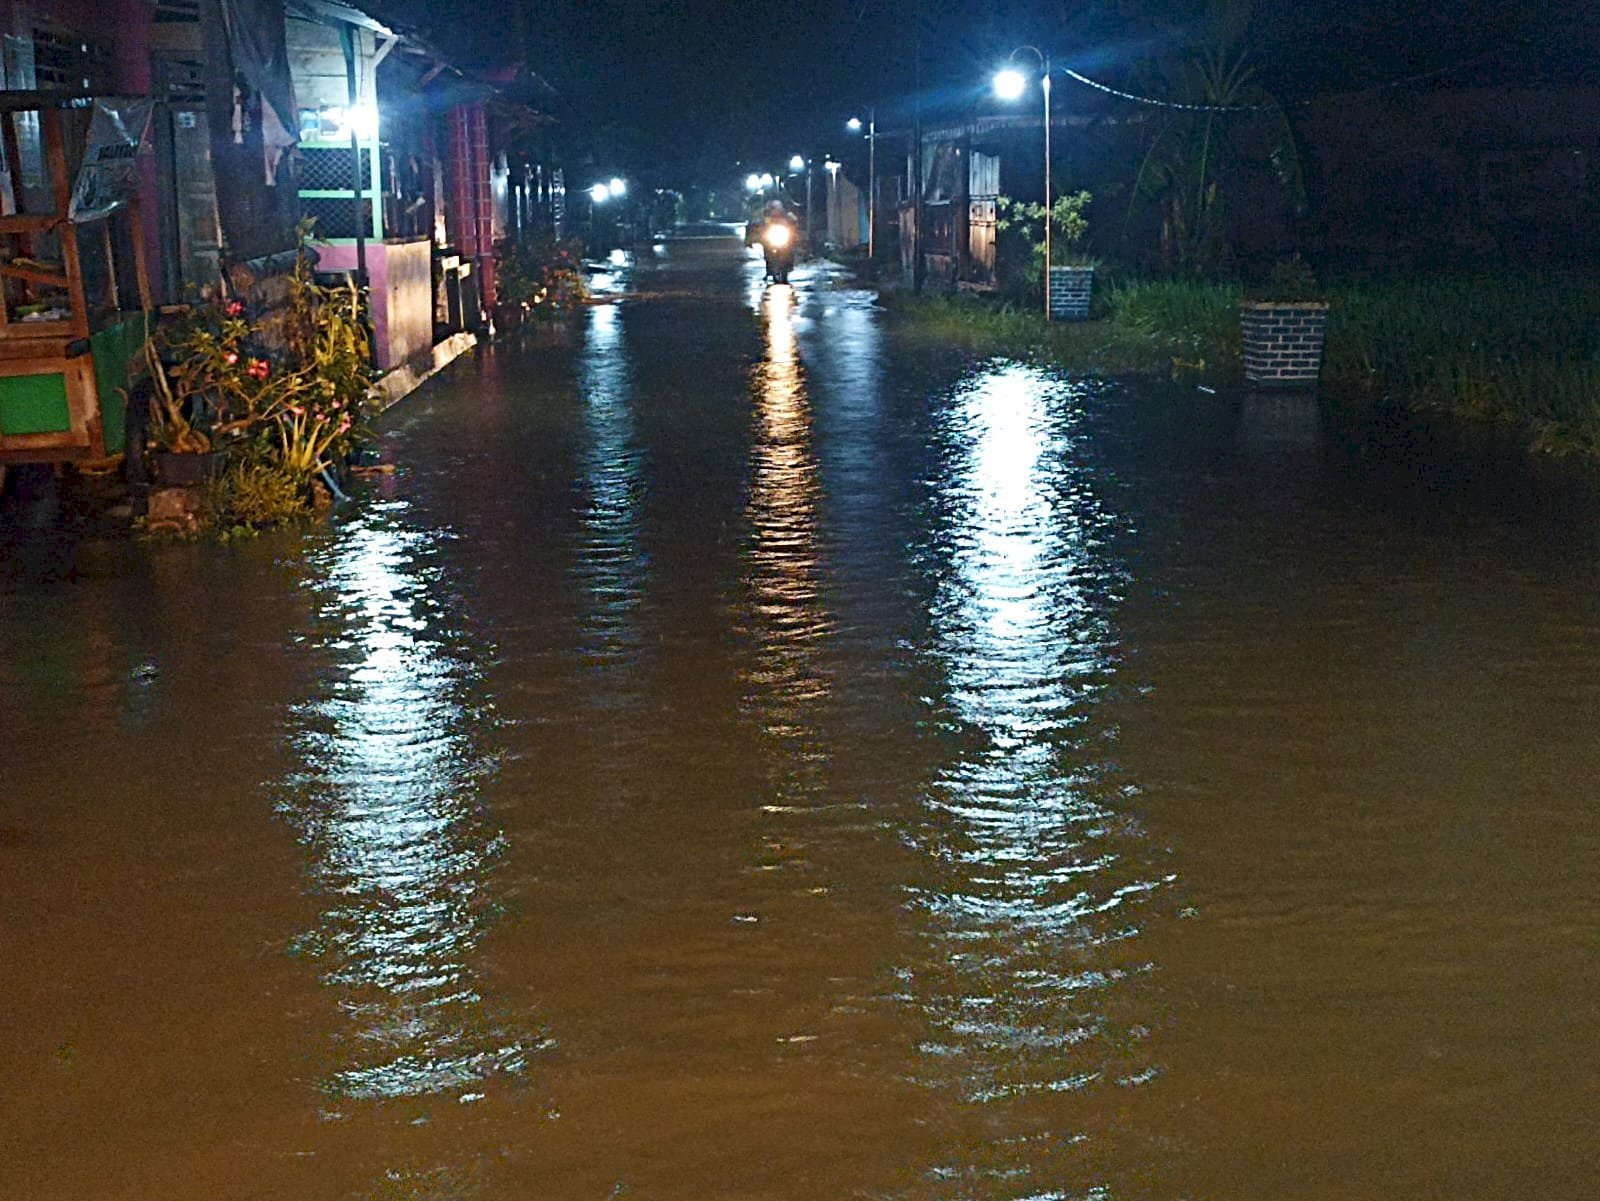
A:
(109, 176)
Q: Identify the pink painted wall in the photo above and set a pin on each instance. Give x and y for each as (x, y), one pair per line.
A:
(400, 284)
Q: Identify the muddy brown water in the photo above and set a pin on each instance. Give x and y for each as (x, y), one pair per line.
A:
(746, 752)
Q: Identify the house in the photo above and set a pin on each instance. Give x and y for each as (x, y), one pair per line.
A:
(968, 164)
(270, 111)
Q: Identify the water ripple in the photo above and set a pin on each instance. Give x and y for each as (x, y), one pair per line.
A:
(1031, 879)
(387, 800)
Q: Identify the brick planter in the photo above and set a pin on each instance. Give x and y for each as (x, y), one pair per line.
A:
(1282, 341)
(1069, 292)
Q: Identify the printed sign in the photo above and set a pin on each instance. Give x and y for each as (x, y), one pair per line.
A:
(109, 176)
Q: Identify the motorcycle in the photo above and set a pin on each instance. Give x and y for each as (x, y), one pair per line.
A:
(777, 247)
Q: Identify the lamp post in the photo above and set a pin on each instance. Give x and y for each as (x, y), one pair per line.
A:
(1008, 85)
(854, 125)
(797, 164)
(832, 169)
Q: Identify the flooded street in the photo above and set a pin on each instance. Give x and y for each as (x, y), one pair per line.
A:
(745, 752)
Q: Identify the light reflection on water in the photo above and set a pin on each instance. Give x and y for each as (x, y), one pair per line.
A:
(1030, 877)
(608, 564)
(784, 618)
(388, 804)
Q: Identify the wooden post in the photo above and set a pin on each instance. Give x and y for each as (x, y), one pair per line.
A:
(111, 261)
(56, 156)
(141, 272)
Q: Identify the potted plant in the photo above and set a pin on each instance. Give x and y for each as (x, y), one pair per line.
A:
(1282, 321)
(560, 288)
(513, 286)
(180, 448)
(1071, 271)
(286, 390)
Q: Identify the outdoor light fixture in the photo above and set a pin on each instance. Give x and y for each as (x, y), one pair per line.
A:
(854, 126)
(337, 123)
(766, 179)
(752, 182)
(797, 163)
(1009, 84)
(599, 193)
(617, 187)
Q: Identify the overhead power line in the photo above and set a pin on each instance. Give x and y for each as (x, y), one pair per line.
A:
(1257, 108)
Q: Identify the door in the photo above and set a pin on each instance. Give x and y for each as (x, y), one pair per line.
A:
(191, 236)
(983, 185)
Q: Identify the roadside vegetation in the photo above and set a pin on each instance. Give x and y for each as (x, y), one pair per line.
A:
(1210, 208)
(255, 413)
(1516, 348)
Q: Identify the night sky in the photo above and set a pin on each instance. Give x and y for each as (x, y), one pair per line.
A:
(685, 86)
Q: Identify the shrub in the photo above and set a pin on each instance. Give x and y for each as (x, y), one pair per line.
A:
(255, 491)
(545, 277)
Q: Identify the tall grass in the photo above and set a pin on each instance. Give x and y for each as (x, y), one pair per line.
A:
(1202, 315)
(1512, 346)
(1522, 347)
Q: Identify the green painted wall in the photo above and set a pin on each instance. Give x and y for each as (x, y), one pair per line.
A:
(114, 349)
(34, 404)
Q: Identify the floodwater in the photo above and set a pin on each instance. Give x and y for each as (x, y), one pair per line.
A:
(745, 752)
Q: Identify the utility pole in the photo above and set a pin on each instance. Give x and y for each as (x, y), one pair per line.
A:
(872, 184)
(917, 271)
(1044, 83)
(810, 214)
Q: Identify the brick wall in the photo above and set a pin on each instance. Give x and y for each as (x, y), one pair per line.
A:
(1282, 342)
(1069, 292)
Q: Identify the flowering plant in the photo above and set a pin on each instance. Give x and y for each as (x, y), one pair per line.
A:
(293, 384)
(546, 277)
(208, 386)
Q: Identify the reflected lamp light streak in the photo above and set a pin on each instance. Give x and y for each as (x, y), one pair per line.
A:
(785, 620)
(399, 843)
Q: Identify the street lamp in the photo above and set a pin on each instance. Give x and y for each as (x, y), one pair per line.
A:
(1009, 84)
(617, 188)
(752, 182)
(854, 126)
(832, 168)
(800, 163)
(599, 194)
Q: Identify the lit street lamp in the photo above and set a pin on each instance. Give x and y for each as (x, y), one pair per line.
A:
(832, 168)
(797, 164)
(854, 126)
(1009, 84)
(617, 188)
(599, 194)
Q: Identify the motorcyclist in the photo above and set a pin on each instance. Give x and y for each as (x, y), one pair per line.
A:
(777, 212)
(780, 255)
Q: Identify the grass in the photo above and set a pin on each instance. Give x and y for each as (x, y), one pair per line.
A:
(1172, 328)
(1515, 347)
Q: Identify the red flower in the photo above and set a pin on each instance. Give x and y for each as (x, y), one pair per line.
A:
(231, 357)
(260, 368)
(235, 307)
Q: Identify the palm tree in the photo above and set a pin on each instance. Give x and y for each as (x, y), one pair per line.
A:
(1198, 156)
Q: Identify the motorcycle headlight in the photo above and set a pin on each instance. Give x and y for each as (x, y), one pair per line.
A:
(778, 236)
